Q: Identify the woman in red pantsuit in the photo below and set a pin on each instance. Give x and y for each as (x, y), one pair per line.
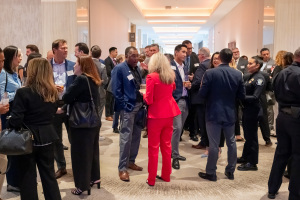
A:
(161, 111)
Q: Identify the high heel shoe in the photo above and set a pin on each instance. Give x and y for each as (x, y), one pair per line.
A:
(98, 182)
(78, 191)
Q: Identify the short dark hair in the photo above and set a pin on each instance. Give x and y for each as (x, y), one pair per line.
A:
(148, 46)
(83, 47)
(56, 43)
(1, 50)
(225, 55)
(9, 53)
(264, 49)
(128, 49)
(32, 56)
(96, 51)
(112, 49)
(154, 45)
(178, 47)
(33, 47)
(185, 42)
(258, 60)
(288, 58)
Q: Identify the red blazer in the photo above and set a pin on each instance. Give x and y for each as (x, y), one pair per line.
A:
(159, 99)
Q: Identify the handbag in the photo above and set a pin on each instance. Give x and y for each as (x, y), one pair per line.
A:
(141, 116)
(84, 115)
(16, 142)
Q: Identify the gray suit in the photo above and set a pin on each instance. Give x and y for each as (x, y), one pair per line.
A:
(242, 65)
(102, 93)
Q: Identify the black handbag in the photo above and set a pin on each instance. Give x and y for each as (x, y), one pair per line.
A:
(16, 142)
(84, 115)
(142, 117)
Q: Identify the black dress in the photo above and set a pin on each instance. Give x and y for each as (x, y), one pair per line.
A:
(85, 141)
(30, 108)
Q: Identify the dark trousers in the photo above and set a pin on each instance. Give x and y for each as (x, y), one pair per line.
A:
(85, 156)
(191, 121)
(288, 137)
(249, 120)
(202, 124)
(43, 157)
(116, 120)
(59, 156)
(109, 104)
(263, 122)
(237, 128)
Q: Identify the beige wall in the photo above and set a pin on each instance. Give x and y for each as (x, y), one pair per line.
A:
(108, 27)
(20, 23)
(241, 25)
(286, 34)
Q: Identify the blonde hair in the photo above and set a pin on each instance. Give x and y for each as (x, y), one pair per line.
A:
(40, 79)
(279, 61)
(160, 64)
(232, 64)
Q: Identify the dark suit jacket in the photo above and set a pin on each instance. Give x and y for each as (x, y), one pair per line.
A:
(195, 96)
(109, 66)
(221, 87)
(242, 65)
(124, 87)
(103, 75)
(194, 63)
(30, 108)
(69, 65)
(177, 93)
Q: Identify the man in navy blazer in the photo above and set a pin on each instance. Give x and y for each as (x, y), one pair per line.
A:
(63, 77)
(221, 87)
(180, 95)
(126, 80)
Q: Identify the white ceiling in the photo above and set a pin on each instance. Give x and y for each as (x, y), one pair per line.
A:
(197, 16)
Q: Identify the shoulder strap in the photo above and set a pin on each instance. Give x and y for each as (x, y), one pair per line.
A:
(5, 82)
(89, 88)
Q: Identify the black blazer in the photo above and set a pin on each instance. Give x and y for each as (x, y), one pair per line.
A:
(109, 66)
(242, 65)
(79, 91)
(194, 63)
(30, 108)
(195, 96)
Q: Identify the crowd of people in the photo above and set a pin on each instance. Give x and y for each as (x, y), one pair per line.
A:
(208, 96)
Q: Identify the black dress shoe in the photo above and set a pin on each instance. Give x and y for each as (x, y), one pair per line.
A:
(247, 167)
(241, 160)
(206, 176)
(229, 175)
(65, 147)
(272, 195)
(116, 130)
(181, 158)
(286, 174)
(194, 138)
(175, 163)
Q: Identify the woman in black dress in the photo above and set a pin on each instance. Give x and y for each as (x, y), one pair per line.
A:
(85, 141)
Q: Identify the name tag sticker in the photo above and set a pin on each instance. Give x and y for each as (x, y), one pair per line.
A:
(243, 67)
(269, 66)
(196, 64)
(130, 77)
(70, 73)
(173, 67)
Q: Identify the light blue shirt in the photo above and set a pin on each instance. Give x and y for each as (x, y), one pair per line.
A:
(60, 76)
(13, 83)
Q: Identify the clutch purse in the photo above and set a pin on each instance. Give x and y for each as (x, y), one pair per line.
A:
(16, 142)
(84, 115)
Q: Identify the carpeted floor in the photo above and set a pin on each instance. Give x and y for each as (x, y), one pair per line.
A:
(185, 183)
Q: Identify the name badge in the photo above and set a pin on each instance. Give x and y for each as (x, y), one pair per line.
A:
(173, 67)
(196, 64)
(70, 73)
(130, 77)
(243, 67)
(269, 66)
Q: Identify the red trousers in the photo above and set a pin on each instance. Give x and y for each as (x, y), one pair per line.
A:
(159, 135)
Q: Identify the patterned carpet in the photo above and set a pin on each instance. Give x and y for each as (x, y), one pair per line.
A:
(185, 183)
